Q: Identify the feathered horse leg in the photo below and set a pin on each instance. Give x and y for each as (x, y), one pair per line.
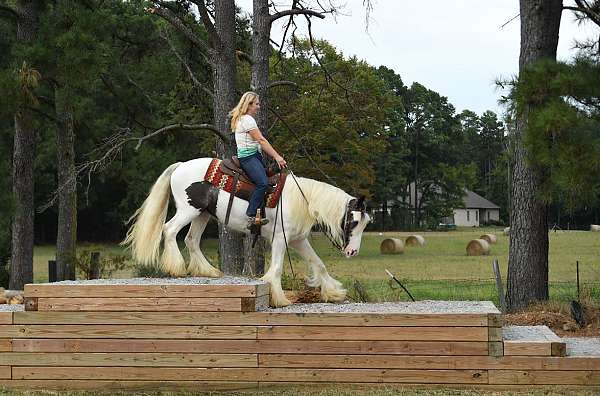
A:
(331, 289)
(273, 276)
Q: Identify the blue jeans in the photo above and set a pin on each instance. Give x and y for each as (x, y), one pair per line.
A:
(254, 168)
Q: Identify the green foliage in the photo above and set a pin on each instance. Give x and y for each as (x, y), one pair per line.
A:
(149, 271)
(561, 101)
(108, 263)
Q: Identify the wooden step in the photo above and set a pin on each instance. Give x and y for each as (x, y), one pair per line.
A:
(532, 341)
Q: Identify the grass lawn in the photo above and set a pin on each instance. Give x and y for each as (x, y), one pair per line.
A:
(439, 270)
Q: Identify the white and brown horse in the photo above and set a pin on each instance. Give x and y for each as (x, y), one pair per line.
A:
(304, 204)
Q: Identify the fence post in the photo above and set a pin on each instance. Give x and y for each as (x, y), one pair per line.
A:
(51, 270)
(499, 286)
(94, 270)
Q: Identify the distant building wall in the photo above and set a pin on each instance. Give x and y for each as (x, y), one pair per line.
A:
(466, 217)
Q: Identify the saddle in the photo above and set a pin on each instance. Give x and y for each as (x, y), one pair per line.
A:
(228, 175)
(232, 167)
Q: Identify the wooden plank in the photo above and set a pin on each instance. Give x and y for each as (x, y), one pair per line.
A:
(131, 345)
(426, 362)
(558, 349)
(6, 317)
(495, 320)
(527, 348)
(128, 331)
(373, 333)
(251, 318)
(146, 386)
(496, 349)
(31, 303)
(158, 291)
(519, 377)
(5, 345)
(253, 374)
(5, 372)
(144, 304)
(494, 334)
(129, 359)
(374, 347)
(252, 346)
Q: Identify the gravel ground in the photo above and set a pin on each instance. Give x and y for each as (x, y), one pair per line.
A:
(529, 333)
(580, 346)
(419, 307)
(11, 307)
(226, 280)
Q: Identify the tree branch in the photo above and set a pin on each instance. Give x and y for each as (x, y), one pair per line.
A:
(296, 11)
(177, 23)
(245, 56)
(583, 8)
(208, 24)
(184, 127)
(282, 82)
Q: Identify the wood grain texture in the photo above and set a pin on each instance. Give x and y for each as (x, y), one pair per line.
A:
(145, 304)
(128, 359)
(5, 345)
(373, 333)
(5, 372)
(251, 318)
(6, 317)
(252, 346)
(128, 331)
(253, 374)
(145, 386)
(527, 348)
(157, 291)
(542, 377)
(427, 362)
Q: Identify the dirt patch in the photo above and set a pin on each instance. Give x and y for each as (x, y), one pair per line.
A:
(558, 318)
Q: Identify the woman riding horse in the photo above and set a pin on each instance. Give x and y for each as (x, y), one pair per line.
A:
(250, 143)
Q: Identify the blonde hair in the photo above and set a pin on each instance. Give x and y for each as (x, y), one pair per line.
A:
(242, 107)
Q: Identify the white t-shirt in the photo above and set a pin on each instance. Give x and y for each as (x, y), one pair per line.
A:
(246, 145)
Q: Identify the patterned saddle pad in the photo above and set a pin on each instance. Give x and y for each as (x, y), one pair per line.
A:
(244, 190)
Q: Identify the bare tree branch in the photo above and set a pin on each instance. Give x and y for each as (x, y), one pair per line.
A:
(584, 8)
(174, 20)
(184, 127)
(282, 82)
(297, 11)
(208, 23)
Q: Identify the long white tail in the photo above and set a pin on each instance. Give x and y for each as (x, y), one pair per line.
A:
(145, 234)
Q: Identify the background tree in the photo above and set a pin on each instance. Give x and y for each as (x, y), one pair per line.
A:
(528, 254)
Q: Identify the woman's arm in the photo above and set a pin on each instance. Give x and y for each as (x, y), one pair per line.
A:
(266, 146)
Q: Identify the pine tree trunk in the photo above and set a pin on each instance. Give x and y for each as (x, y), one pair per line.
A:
(21, 267)
(528, 256)
(261, 52)
(231, 245)
(66, 237)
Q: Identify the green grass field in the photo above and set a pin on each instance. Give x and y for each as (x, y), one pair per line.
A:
(439, 270)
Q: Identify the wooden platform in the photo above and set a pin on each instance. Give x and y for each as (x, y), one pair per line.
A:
(205, 336)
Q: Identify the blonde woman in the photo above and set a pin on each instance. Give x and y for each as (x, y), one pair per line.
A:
(250, 145)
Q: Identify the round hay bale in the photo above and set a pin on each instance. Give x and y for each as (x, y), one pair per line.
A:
(595, 228)
(507, 231)
(478, 247)
(392, 246)
(490, 238)
(415, 240)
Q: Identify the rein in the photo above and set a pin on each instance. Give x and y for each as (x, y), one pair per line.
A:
(327, 234)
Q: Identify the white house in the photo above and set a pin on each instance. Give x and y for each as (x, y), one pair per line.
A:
(477, 210)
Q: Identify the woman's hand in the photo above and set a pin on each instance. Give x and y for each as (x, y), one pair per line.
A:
(281, 162)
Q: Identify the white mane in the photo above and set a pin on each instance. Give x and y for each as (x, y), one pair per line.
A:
(326, 205)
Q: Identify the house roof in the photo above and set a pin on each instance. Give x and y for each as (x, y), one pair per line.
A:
(476, 201)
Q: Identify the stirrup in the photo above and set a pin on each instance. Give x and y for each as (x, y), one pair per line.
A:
(253, 222)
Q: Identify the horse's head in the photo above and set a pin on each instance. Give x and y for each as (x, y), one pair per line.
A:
(355, 221)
